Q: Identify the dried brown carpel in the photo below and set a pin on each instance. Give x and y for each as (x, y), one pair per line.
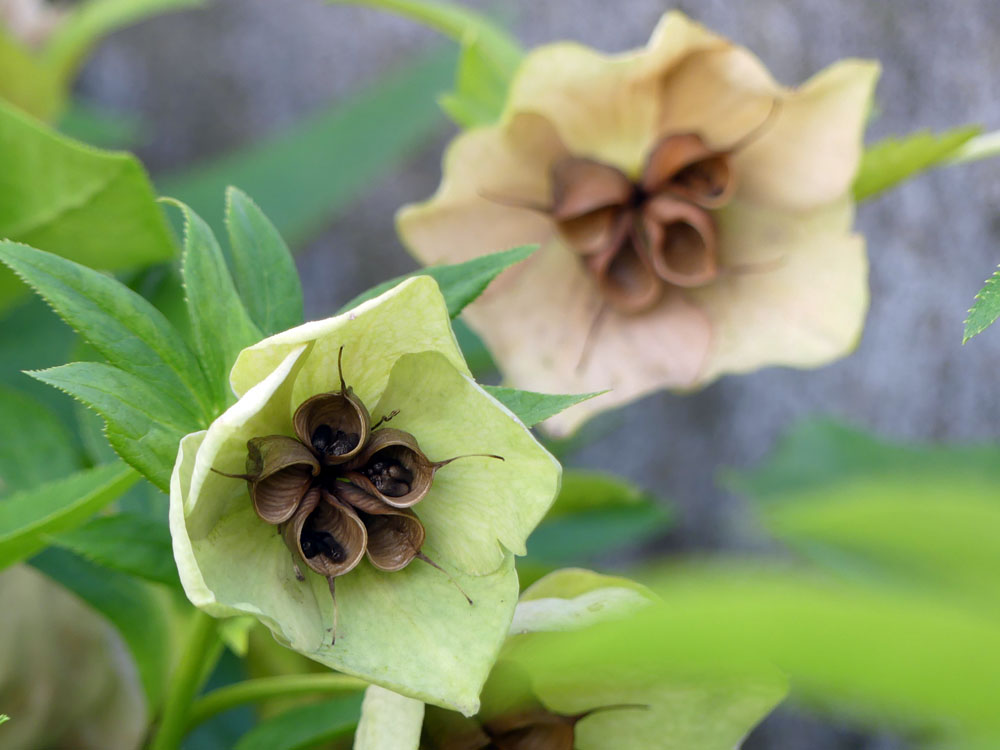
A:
(342, 489)
(637, 236)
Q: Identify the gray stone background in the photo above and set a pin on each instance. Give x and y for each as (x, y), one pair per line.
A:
(207, 81)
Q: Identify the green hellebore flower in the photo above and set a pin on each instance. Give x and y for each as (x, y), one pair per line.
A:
(410, 630)
(526, 706)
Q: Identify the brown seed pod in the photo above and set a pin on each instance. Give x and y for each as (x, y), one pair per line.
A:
(336, 425)
(395, 536)
(684, 166)
(327, 535)
(393, 469)
(279, 471)
(681, 241)
(624, 273)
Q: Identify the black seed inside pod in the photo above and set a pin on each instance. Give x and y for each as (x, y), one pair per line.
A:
(315, 542)
(331, 442)
(389, 476)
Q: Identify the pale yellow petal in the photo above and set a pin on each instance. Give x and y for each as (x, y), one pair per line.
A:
(605, 107)
(723, 94)
(793, 290)
(410, 317)
(541, 323)
(809, 154)
(496, 183)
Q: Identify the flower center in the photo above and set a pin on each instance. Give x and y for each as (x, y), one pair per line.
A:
(638, 237)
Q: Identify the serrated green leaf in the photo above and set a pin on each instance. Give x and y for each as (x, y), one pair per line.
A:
(94, 207)
(532, 408)
(126, 542)
(263, 268)
(220, 324)
(37, 447)
(895, 159)
(134, 608)
(460, 283)
(142, 425)
(28, 517)
(126, 329)
(985, 310)
(305, 726)
(88, 22)
(315, 169)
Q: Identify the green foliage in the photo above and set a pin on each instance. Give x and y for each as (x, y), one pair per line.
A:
(221, 326)
(985, 310)
(126, 542)
(27, 518)
(893, 160)
(315, 169)
(595, 514)
(126, 329)
(263, 268)
(460, 283)
(532, 408)
(922, 515)
(135, 609)
(489, 57)
(305, 726)
(142, 425)
(26, 83)
(37, 446)
(94, 207)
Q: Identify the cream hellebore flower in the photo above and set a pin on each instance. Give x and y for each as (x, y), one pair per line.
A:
(529, 706)
(694, 216)
(334, 496)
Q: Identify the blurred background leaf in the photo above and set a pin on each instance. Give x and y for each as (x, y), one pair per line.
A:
(305, 727)
(313, 170)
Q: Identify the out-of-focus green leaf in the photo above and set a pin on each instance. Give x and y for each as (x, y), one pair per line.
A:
(924, 514)
(893, 160)
(902, 655)
(312, 171)
(28, 517)
(126, 329)
(37, 447)
(984, 146)
(94, 207)
(220, 324)
(103, 128)
(134, 608)
(26, 83)
(88, 21)
(263, 268)
(126, 542)
(305, 727)
(818, 452)
(460, 283)
(532, 408)
(481, 85)
(985, 310)
(489, 57)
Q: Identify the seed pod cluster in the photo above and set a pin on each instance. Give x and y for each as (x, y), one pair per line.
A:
(636, 237)
(342, 488)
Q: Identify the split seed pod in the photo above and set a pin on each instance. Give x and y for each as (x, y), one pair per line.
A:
(394, 469)
(326, 534)
(279, 472)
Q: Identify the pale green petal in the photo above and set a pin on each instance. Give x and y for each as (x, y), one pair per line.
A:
(567, 583)
(389, 721)
(410, 317)
(476, 506)
(413, 632)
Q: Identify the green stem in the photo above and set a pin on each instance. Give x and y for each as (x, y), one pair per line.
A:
(981, 147)
(187, 678)
(252, 691)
